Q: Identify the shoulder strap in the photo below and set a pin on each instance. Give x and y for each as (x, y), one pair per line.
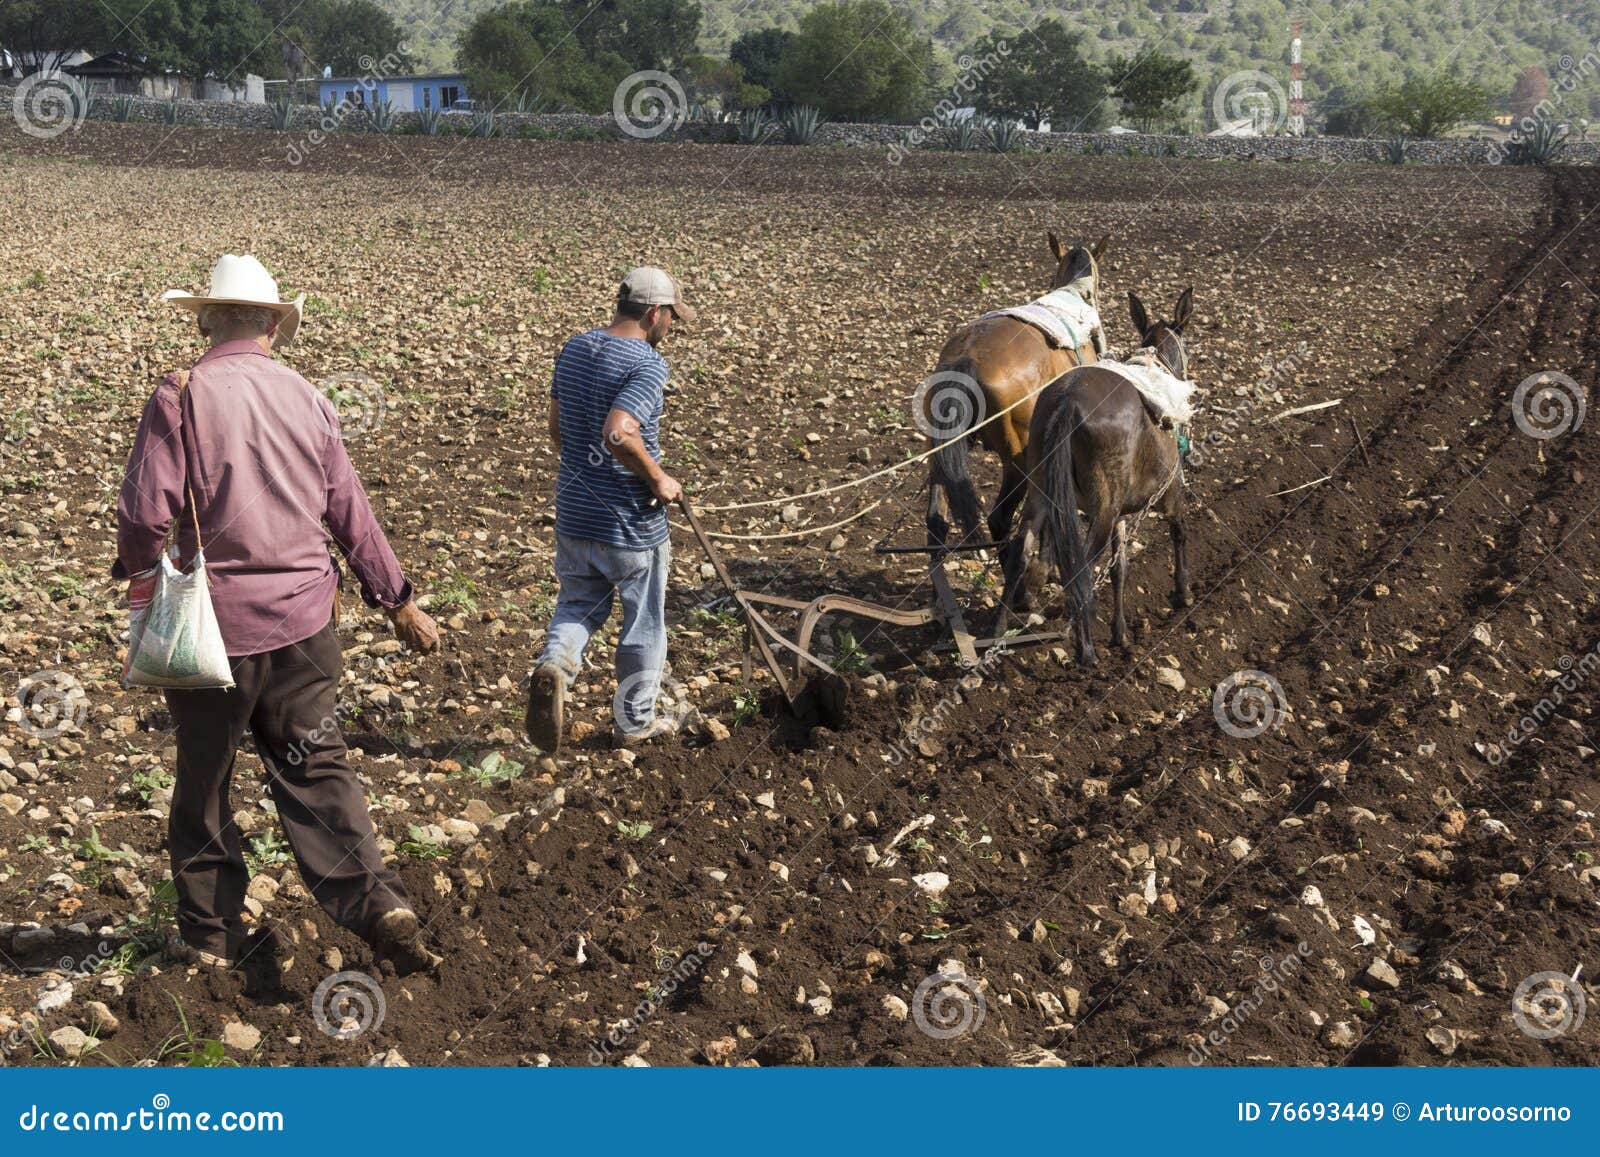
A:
(194, 511)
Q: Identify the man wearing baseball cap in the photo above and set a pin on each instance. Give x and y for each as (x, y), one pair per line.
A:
(606, 399)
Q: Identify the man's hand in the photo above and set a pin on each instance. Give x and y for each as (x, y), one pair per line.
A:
(180, 378)
(665, 487)
(415, 629)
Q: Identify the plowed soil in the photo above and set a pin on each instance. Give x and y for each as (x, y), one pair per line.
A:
(1366, 881)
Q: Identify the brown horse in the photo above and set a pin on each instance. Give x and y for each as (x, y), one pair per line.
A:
(986, 366)
(1096, 445)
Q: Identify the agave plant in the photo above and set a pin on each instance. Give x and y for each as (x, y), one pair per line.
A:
(483, 124)
(169, 112)
(282, 109)
(1395, 149)
(122, 109)
(382, 116)
(754, 126)
(1005, 135)
(529, 103)
(1543, 145)
(800, 124)
(428, 122)
(962, 135)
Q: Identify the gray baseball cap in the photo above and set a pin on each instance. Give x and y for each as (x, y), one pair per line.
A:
(648, 285)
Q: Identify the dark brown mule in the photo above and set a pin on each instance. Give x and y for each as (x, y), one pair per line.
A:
(1096, 446)
(1002, 361)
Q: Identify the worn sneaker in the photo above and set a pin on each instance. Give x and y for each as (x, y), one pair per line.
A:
(185, 953)
(547, 698)
(263, 959)
(661, 726)
(398, 939)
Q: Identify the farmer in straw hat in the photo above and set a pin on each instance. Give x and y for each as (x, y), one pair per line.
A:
(256, 451)
(606, 399)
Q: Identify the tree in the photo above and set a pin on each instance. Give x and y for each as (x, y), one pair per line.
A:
(759, 52)
(527, 47)
(346, 32)
(1531, 90)
(721, 83)
(225, 39)
(1431, 106)
(1348, 112)
(1150, 86)
(42, 34)
(648, 34)
(857, 60)
(1040, 76)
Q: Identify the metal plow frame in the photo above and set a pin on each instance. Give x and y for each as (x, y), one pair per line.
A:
(761, 635)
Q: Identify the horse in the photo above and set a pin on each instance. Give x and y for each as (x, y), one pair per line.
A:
(985, 367)
(1095, 443)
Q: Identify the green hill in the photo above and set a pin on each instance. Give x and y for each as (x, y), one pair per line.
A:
(1345, 44)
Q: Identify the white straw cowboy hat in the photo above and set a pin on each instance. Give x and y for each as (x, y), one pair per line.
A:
(244, 281)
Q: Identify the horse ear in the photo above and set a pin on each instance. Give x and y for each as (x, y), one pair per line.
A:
(1097, 250)
(1055, 247)
(1141, 319)
(1184, 309)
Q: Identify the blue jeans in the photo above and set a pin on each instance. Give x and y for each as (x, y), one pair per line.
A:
(593, 574)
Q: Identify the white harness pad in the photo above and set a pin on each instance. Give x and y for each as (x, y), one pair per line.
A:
(1068, 321)
(1171, 396)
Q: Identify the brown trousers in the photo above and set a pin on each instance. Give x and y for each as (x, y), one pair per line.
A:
(287, 699)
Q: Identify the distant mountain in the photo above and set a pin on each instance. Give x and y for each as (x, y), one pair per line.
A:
(1345, 45)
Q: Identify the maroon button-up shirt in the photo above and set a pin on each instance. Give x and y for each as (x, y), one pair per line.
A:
(259, 447)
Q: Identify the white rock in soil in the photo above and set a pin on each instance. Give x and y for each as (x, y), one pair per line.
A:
(1312, 896)
(238, 1035)
(1170, 677)
(767, 800)
(53, 998)
(72, 1041)
(746, 964)
(896, 1008)
(1380, 972)
(389, 1060)
(933, 883)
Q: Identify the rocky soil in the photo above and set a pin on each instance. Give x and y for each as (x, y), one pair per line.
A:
(1343, 858)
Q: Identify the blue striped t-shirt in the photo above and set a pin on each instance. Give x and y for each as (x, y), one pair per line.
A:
(596, 496)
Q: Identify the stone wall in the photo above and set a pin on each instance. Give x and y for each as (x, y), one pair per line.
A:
(310, 122)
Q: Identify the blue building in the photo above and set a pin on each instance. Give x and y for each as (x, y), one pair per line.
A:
(404, 93)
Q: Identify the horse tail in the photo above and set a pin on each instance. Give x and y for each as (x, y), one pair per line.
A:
(1065, 527)
(952, 407)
